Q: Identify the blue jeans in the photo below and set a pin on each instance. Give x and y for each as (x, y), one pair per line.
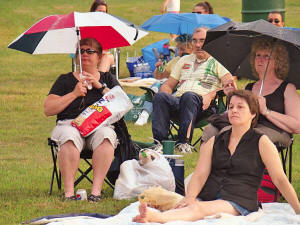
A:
(166, 106)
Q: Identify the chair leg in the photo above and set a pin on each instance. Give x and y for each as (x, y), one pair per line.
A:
(290, 162)
(55, 173)
(84, 174)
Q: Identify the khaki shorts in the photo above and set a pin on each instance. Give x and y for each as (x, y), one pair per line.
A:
(64, 132)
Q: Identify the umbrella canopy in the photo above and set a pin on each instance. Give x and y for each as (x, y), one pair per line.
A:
(231, 45)
(182, 23)
(60, 33)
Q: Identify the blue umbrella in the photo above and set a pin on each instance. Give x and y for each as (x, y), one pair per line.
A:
(182, 23)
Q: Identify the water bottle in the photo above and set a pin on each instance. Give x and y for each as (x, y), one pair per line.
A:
(146, 70)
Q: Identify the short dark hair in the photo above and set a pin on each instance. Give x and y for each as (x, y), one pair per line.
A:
(91, 42)
(251, 100)
(96, 3)
(207, 6)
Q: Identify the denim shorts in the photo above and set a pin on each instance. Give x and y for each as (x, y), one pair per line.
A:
(243, 211)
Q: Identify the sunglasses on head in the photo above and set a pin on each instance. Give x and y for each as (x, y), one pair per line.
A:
(88, 51)
(275, 20)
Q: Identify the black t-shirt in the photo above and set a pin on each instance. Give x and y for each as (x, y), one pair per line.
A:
(66, 83)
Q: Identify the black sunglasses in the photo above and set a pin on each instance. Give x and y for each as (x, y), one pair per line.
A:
(197, 12)
(275, 21)
(88, 51)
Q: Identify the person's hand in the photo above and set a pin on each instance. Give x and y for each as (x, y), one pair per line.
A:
(80, 88)
(91, 79)
(184, 202)
(206, 100)
(229, 86)
(158, 63)
(162, 9)
(262, 104)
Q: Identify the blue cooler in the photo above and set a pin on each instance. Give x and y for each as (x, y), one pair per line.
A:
(177, 166)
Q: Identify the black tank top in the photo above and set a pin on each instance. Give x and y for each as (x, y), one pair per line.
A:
(274, 101)
(235, 177)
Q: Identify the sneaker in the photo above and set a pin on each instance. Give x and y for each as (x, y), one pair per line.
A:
(184, 148)
(158, 148)
(143, 118)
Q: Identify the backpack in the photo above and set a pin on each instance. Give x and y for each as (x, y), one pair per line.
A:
(267, 192)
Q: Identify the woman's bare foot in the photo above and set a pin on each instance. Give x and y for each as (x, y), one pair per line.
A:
(146, 215)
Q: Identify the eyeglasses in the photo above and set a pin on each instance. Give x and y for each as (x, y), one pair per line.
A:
(195, 41)
(197, 12)
(275, 20)
(88, 51)
(259, 56)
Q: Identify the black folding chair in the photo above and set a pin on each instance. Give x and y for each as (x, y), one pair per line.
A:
(86, 155)
(286, 157)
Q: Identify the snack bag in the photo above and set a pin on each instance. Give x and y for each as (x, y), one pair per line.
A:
(159, 198)
(108, 110)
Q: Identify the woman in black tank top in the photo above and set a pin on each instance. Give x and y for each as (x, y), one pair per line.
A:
(279, 102)
(229, 170)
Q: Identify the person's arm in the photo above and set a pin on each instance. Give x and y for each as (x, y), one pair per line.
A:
(107, 60)
(169, 85)
(270, 158)
(55, 104)
(164, 5)
(290, 121)
(200, 174)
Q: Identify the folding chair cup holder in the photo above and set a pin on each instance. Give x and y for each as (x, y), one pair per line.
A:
(86, 155)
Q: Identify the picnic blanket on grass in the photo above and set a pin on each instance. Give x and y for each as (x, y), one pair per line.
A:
(272, 213)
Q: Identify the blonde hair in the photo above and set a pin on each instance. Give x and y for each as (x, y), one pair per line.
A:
(279, 54)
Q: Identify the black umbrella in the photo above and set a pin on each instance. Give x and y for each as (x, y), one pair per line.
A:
(231, 44)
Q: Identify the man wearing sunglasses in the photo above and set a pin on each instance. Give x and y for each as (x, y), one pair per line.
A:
(276, 19)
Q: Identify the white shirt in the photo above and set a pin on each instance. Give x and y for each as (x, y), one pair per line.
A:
(173, 6)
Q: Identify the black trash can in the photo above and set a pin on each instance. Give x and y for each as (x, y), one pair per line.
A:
(259, 9)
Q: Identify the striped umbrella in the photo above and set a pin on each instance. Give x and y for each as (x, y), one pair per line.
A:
(60, 33)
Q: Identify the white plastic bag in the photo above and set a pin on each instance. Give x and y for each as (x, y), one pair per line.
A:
(137, 176)
(108, 110)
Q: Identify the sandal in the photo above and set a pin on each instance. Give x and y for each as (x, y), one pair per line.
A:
(94, 198)
(68, 199)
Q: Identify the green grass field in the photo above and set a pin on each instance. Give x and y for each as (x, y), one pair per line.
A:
(25, 160)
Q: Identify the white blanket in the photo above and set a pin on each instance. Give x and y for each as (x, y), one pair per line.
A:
(272, 214)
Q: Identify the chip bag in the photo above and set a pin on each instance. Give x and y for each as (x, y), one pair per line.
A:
(108, 110)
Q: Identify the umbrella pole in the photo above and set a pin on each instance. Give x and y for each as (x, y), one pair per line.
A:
(263, 80)
(79, 53)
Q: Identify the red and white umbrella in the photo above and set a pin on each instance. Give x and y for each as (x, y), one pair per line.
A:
(60, 33)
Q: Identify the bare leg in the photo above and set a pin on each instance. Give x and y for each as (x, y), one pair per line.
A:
(102, 158)
(68, 161)
(193, 212)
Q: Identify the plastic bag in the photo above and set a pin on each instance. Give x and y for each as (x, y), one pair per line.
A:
(108, 110)
(136, 176)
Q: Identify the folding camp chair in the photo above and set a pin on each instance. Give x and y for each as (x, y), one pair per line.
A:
(126, 150)
(217, 106)
(286, 157)
(86, 155)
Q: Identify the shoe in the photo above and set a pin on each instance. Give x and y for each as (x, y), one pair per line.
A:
(94, 198)
(143, 118)
(158, 148)
(184, 148)
(69, 199)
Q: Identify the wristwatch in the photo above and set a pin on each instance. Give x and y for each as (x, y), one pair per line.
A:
(104, 85)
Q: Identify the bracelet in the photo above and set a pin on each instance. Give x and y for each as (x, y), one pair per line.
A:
(268, 111)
